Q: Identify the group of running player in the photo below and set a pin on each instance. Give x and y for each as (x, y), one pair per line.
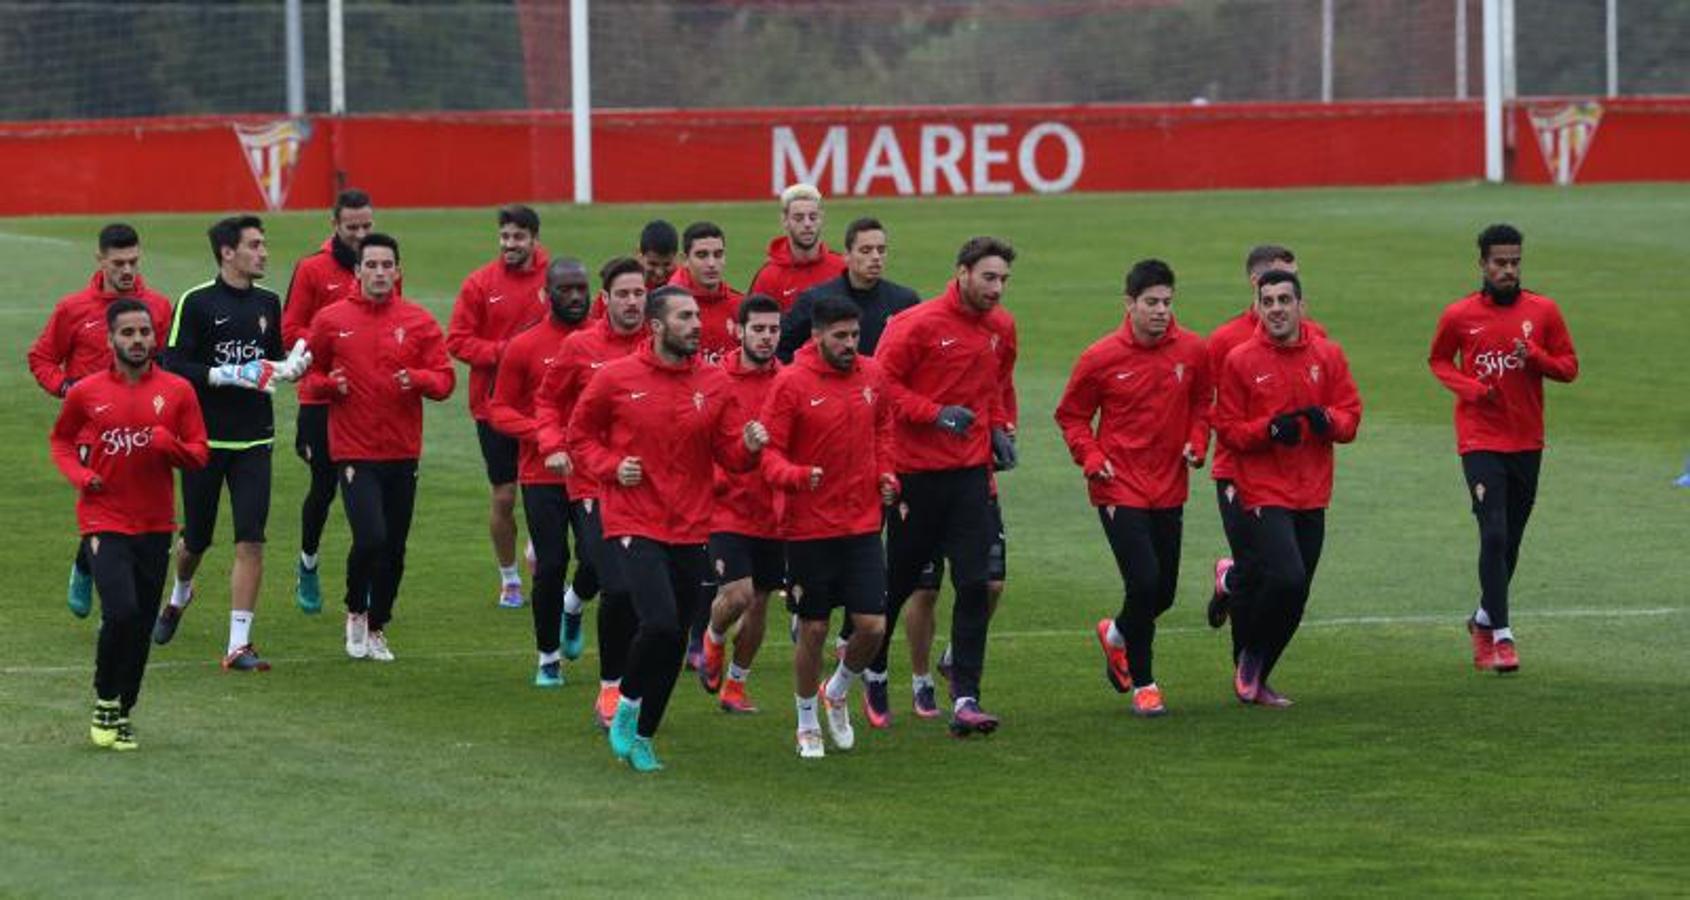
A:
(709, 448)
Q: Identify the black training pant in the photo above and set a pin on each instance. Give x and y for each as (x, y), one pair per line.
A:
(1146, 544)
(1285, 549)
(617, 621)
(947, 511)
(1235, 522)
(311, 443)
(379, 498)
(129, 573)
(546, 509)
(663, 582)
(1503, 487)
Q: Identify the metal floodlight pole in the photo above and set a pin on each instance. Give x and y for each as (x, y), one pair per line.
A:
(1613, 48)
(337, 57)
(1510, 72)
(295, 38)
(1326, 27)
(581, 101)
(1493, 89)
(1461, 49)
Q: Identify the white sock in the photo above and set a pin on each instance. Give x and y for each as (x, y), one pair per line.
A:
(1114, 637)
(735, 673)
(1144, 687)
(613, 683)
(551, 657)
(630, 702)
(308, 560)
(1503, 634)
(807, 714)
(840, 684)
(917, 682)
(874, 677)
(714, 636)
(240, 629)
(508, 575)
(1481, 618)
(957, 706)
(945, 660)
(182, 593)
(571, 602)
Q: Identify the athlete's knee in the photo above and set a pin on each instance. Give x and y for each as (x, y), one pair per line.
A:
(868, 628)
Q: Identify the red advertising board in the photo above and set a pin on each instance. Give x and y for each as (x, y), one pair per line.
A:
(473, 159)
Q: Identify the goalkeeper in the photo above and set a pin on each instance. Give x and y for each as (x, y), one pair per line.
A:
(226, 340)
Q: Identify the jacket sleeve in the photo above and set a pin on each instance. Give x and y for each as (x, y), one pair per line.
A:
(274, 349)
(557, 389)
(885, 441)
(1446, 343)
(510, 386)
(462, 333)
(1231, 425)
(765, 281)
(1074, 415)
(317, 382)
(433, 374)
(776, 416)
(1343, 405)
(729, 444)
(1201, 405)
(1008, 409)
(588, 428)
(182, 353)
(185, 445)
(301, 305)
(795, 327)
(1554, 357)
(897, 356)
(62, 442)
(50, 352)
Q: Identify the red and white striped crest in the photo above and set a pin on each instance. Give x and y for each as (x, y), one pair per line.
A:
(1564, 135)
(272, 152)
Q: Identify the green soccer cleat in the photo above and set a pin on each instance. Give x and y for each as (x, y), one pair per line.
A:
(643, 758)
(623, 727)
(125, 737)
(307, 590)
(79, 596)
(103, 729)
(549, 675)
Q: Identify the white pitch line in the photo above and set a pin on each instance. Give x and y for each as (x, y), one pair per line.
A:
(1076, 634)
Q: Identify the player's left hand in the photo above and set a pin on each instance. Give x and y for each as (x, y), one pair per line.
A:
(559, 464)
(1191, 457)
(1319, 422)
(1004, 455)
(756, 436)
(403, 376)
(888, 488)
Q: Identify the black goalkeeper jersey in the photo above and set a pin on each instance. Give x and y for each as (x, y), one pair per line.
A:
(218, 324)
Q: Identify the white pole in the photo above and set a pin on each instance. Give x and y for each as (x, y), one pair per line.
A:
(581, 101)
(1461, 49)
(1326, 50)
(295, 36)
(1493, 89)
(1510, 73)
(1613, 48)
(337, 58)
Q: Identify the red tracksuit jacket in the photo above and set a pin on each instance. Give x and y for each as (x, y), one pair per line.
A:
(715, 309)
(784, 278)
(679, 421)
(745, 502)
(369, 342)
(495, 304)
(581, 357)
(841, 421)
(73, 345)
(130, 435)
(1227, 335)
(319, 281)
(1261, 379)
(528, 359)
(1473, 352)
(941, 353)
(1150, 401)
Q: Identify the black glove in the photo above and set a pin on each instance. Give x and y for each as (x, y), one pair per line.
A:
(1004, 455)
(66, 386)
(955, 419)
(1286, 428)
(1319, 422)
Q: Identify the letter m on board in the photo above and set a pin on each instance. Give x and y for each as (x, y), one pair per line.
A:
(790, 166)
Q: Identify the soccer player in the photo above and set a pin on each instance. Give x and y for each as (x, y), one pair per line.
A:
(320, 280)
(656, 252)
(118, 435)
(863, 283)
(376, 357)
(798, 259)
(704, 259)
(226, 339)
(1286, 397)
(583, 354)
(74, 345)
(651, 427)
(746, 552)
(1229, 577)
(1146, 388)
(946, 366)
(522, 370)
(830, 451)
(1493, 349)
(496, 303)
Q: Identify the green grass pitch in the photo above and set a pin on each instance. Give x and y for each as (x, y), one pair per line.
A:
(1399, 771)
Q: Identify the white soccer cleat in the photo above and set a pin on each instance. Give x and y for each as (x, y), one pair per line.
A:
(378, 647)
(839, 721)
(357, 635)
(810, 744)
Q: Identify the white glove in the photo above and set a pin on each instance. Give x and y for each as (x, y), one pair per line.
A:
(296, 364)
(258, 375)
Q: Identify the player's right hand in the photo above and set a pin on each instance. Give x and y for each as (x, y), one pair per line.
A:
(342, 385)
(558, 464)
(1105, 472)
(955, 419)
(629, 472)
(95, 485)
(1286, 429)
(815, 477)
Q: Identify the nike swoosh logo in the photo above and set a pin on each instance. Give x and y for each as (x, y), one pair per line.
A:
(1122, 376)
(101, 408)
(90, 323)
(1476, 330)
(947, 342)
(597, 365)
(333, 287)
(817, 401)
(343, 334)
(222, 321)
(635, 395)
(495, 298)
(546, 362)
(1262, 378)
